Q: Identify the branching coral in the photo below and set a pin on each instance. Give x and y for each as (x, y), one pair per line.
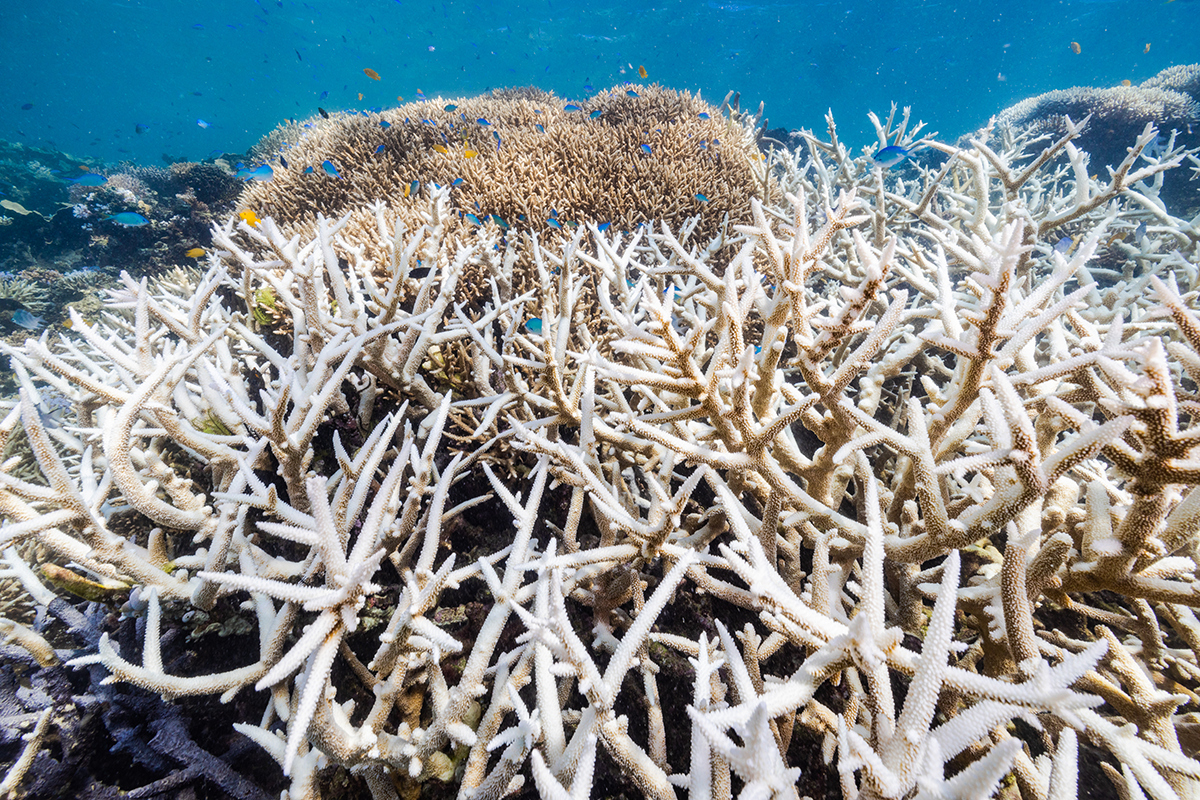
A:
(882, 439)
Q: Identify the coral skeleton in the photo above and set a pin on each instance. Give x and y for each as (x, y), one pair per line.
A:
(884, 492)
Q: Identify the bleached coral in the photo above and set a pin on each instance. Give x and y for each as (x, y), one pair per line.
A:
(896, 438)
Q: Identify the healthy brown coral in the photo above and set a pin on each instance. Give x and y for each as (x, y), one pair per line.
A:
(650, 154)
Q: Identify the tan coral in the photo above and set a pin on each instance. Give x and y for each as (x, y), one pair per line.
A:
(548, 162)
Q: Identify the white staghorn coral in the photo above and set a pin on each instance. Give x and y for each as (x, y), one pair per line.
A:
(850, 479)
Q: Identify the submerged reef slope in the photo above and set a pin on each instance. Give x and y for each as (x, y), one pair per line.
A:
(889, 490)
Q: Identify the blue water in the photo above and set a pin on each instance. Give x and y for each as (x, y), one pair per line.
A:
(94, 71)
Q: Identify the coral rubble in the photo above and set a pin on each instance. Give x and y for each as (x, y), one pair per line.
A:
(901, 473)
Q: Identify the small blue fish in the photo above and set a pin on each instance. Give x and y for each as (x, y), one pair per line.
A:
(496, 136)
(129, 218)
(420, 95)
(553, 223)
(330, 169)
(263, 173)
(539, 127)
(701, 198)
(496, 218)
(587, 87)
(456, 182)
(283, 162)
(27, 320)
(89, 179)
(139, 128)
(892, 155)
(595, 114)
(1140, 231)
(571, 108)
(631, 93)
(203, 124)
(603, 226)
(646, 149)
(379, 149)
(472, 219)
(412, 189)
(383, 123)
(483, 121)
(703, 115)
(534, 325)
(324, 95)
(308, 170)
(1063, 244)
(450, 107)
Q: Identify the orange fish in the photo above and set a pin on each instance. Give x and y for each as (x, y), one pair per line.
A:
(249, 216)
(469, 153)
(1146, 49)
(372, 74)
(1127, 82)
(1075, 48)
(195, 252)
(642, 72)
(360, 95)
(440, 148)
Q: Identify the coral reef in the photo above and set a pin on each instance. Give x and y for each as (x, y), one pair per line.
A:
(1116, 115)
(521, 158)
(883, 491)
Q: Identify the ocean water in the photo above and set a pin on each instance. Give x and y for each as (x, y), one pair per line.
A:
(196, 78)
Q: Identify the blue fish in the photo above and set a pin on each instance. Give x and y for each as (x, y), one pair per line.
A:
(27, 320)
(703, 115)
(534, 325)
(472, 219)
(330, 169)
(283, 162)
(90, 179)
(646, 149)
(701, 198)
(595, 113)
(571, 108)
(631, 93)
(129, 218)
(603, 226)
(500, 221)
(450, 107)
(1063, 244)
(383, 123)
(308, 170)
(1140, 231)
(263, 173)
(553, 223)
(892, 155)
(496, 136)
(139, 128)
(456, 182)
(539, 127)
(483, 121)
(413, 188)
(324, 95)
(379, 149)
(203, 124)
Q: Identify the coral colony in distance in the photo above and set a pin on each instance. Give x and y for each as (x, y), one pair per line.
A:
(494, 447)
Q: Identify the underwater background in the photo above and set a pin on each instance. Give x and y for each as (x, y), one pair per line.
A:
(153, 81)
